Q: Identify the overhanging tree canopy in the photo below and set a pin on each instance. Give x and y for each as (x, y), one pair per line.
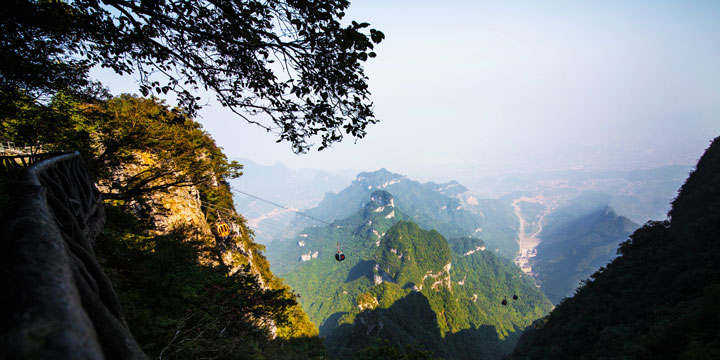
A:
(291, 60)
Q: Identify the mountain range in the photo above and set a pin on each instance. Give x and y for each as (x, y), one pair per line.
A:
(448, 208)
(393, 266)
(640, 195)
(439, 251)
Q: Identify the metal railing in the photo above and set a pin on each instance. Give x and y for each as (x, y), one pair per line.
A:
(9, 148)
(59, 303)
(14, 166)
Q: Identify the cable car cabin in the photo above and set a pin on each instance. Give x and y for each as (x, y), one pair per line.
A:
(504, 301)
(339, 256)
(223, 230)
(515, 297)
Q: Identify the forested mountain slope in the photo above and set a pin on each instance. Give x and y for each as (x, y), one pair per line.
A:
(393, 268)
(186, 292)
(447, 300)
(659, 300)
(572, 250)
(448, 208)
(327, 287)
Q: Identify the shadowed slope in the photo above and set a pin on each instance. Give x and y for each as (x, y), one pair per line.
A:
(659, 299)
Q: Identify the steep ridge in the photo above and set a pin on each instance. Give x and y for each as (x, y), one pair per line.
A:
(575, 249)
(448, 208)
(659, 299)
(186, 291)
(393, 263)
(193, 292)
(424, 293)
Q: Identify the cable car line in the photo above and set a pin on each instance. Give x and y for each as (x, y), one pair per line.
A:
(283, 207)
(339, 256)
(222, 209)
(277, 227)
(293, 210)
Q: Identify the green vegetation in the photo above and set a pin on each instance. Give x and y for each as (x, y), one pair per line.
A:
(448, 302)
(404, 285)
(182, 296)
(659, 299)
(409, 252)
(182, 47)
(433, 206)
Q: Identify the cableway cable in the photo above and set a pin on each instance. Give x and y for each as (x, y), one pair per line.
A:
(339, 256)
(293, 210)
(283, 207)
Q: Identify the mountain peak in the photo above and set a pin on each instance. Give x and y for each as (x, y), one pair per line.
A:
(700, 194)
(610, 212)
(452, 188)
(379, 178)
(410, 255)
(382, 198)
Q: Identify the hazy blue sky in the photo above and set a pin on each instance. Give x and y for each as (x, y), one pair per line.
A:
(469, 88)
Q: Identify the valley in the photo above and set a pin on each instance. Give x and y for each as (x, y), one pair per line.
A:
(370, 180)
(537, 244)
(658, 299)
(528, 243)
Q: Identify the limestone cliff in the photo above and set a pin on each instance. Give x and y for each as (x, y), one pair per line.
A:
(181, 208)
(155, 279)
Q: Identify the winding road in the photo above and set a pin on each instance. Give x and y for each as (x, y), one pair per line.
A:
(528, 243)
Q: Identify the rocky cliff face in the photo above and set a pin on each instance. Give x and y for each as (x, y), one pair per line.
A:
(181, 208)
(167, 210)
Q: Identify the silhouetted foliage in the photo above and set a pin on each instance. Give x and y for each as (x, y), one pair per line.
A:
(179, 308)
(659, 300)
(290, 60)
(176, 292)
(119, 133)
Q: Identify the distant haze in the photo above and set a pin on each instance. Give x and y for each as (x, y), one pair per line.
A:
(469, 89)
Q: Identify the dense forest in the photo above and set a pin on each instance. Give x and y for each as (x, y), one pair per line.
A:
(406, 290)
(659, 299)
(427, 272)
(184, 293)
